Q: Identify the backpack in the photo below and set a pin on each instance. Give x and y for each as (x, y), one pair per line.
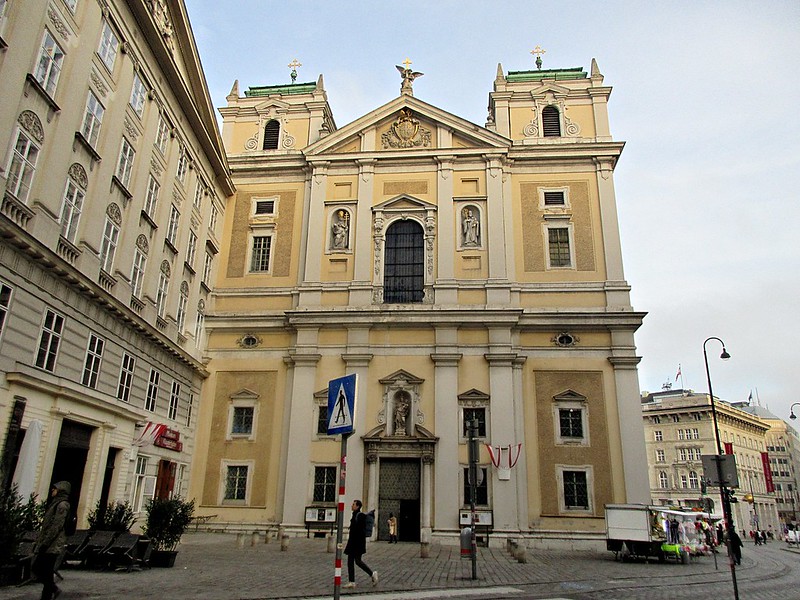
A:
(369, 523)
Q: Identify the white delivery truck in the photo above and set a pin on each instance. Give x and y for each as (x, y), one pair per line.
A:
(644, 531)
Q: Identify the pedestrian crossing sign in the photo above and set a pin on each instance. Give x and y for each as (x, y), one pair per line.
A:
(341, 404)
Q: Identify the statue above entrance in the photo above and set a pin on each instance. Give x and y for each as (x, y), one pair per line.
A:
(401, 414)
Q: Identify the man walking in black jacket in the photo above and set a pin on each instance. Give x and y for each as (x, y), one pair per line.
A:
(52, 538)
(357, 547)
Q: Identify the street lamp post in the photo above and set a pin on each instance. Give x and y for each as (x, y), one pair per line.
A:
(726, 501)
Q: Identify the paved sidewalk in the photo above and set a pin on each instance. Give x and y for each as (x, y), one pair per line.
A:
(212, 566)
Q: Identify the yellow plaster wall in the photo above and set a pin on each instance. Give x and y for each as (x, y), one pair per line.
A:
(287, 222)
(580, 114)
(394, 337)
(584, 218)
(298, 129)
(547, 455)
(469, 183)
(419, 185)
(264, 449)
(536, 339)
(567, 299)
(239, 304)
(471, 297)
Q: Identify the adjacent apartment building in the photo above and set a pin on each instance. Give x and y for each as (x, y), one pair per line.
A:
(461, 272)
(113, 188)
(679, 430)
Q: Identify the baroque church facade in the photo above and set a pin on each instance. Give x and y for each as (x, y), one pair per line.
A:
(462, 272)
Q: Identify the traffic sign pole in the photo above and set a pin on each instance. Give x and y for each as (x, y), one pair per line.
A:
(337, 573)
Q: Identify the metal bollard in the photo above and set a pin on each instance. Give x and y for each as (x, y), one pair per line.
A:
(284, 539)
(331, 543)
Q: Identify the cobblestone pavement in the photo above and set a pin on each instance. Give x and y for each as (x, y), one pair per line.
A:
(214, 567)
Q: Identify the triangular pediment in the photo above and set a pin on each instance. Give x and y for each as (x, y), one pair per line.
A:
(402, 375)
(398, 119)
(569, 396)
(244, 394)
(403, 202)
(271, 104)
(550, 88)
(473, 394)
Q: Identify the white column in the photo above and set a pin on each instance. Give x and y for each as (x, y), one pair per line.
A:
(519, 473)
(311, 288)
(446, 288)
(502, 430)
(446, 504)
(357, 361)
(497, 288)
(617, 295)
(629, 410)
(426, 499)
(297, 459)
(361, 288)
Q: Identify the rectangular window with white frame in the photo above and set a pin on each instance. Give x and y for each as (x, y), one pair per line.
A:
(212, 222)
(22, 166)
(137, 273)
(183, 164)
(189, 408)
(264, 207)
(208, 262)
(198, 328)
(191, 249)
(553, 198)
(108, 247)
(198, 193)
(470, 414)
(126, 377)
(71, 207)
(151, 197)
(109, 45)
(5, 303)
(172, 226)
(152, 391)
(180, 315)
(48, 65)
(125, 164)
(481, 488)
(161, 294)
(660, 456)
(575, 484)
(571, 419)
(658, 435)
(92, 119)
(242, 416)
(260, 253)
(138, 95)
(235, 478)
(325, 484)
(94, 358)
(559, 246)
(145, 485)
(162, 135)
(174, 400)
(49, 340)
(322, 419)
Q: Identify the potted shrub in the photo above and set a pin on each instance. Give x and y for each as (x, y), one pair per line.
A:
(167, 519)
(115, 516)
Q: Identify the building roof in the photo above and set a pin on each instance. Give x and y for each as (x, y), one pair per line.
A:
(557, 74)
(291, 88)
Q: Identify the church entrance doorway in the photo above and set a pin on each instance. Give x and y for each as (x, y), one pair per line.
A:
(399, 493)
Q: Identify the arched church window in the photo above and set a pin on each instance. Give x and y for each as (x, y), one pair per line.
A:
(272, 134)
(551, 122)
(404, 271)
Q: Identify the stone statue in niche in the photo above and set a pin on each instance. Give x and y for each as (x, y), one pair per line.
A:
(400, 415)
(340, 230)
(470, 227)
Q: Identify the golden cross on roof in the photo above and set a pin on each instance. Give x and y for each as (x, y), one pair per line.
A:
(407, 62)
(293, 66)
(537, 52)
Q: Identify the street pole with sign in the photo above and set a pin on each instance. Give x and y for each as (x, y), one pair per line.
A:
(341, 416)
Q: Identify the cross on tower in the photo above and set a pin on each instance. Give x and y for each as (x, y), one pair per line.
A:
(537, 52)
(407, 62)
(293, 66)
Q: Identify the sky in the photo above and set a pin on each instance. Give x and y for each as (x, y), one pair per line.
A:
(705, 98)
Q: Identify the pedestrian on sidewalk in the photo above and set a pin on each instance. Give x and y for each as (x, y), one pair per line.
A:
(736, 547)
(392, 521)
(52, 538)
(357, 546)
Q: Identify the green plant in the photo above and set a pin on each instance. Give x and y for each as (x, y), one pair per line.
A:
(12, 516)
(115, 516)
(33, 513)
(167, 519)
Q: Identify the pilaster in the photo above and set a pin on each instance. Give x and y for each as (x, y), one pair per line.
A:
(446, 290)
(498, 291)
(361, 288)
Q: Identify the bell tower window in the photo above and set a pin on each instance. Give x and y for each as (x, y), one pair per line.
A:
(272, 134)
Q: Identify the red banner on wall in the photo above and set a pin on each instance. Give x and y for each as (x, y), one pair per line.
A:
(767, 472)
(728, 447)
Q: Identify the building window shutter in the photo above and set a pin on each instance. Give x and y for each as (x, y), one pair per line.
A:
(272, 133)
(551, 123)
